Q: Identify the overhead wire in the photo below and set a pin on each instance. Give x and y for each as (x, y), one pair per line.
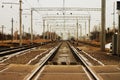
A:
(31, 6)
(11, 7)
(13, 11)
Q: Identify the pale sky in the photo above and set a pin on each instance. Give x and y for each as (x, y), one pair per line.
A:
(7, 12)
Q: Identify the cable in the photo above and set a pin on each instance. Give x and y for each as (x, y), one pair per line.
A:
(30, 5)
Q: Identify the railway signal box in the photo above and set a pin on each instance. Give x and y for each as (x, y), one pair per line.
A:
(118, 5)
(114, 44)
(118, 44)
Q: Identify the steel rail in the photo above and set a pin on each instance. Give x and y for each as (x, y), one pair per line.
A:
(15, 50)
(85, 64)
(42, 63)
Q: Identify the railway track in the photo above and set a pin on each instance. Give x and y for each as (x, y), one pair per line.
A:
(56, 61)
(6, 54)
(43, 62)
(63, 54)
(10, 51)
(86, 65)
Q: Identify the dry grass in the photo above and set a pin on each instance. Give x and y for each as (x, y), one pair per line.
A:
(102, 56)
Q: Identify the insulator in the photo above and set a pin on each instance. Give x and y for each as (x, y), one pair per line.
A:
(2, 6)
(11, 6)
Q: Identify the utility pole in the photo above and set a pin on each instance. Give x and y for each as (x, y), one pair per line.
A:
(20, 15)
(31, 26)
(103, 17)
(12, 29)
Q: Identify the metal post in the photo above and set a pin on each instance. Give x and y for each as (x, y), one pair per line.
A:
(69, 35)
(55, 35)
(119, 23)
(12, 29)
(77, 29)
(23, 32)
(118, 35)
(43, 29)
(20, 22)
(29, 31)
(2, 33)
(47, 31)
(80, 31)
(50, 33)
(103, 17)
(89, 20)
(64, 15)
(31, 26)
(85, 29)
(114, 17)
